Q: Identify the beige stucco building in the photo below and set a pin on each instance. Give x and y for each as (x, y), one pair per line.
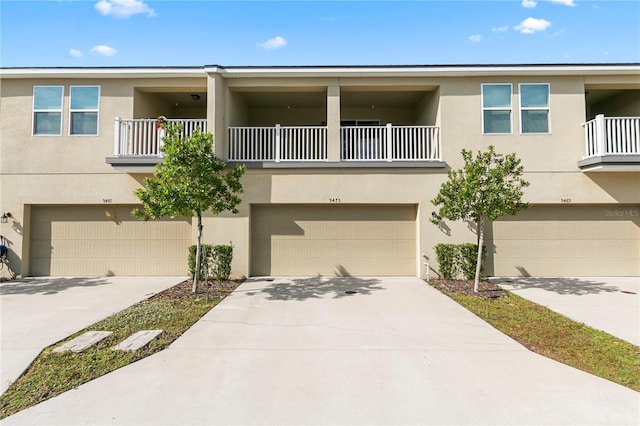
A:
(341, 165)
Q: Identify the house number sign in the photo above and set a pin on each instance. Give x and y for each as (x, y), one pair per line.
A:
(335, 200)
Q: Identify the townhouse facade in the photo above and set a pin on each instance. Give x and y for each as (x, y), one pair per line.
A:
(342, 163)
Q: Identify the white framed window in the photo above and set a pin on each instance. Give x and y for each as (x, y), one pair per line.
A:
(47, 110)
(534, 107)
(496, 108)
(84, 103)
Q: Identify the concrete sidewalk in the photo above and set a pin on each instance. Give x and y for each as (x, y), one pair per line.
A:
(302, 351)
(38, 312)
(610, 304)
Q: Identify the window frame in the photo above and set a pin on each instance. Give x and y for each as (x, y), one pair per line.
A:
(96, 110)
(547, 108)
(510, 108)
(34, 110)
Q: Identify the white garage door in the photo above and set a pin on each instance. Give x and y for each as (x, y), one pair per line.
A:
(333, 240)
(565, 241)
(105, 240)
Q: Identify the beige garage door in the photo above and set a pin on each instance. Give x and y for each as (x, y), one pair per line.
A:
(333, 240)
(105, 240)
(569, 241)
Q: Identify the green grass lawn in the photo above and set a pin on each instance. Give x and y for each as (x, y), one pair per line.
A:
(557, 337)
(54, 373)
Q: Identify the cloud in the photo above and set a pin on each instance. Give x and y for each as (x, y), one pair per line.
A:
(500, 29)
(102, 50)
(570, 3)
(123, 8)
(475, 38)
(532, 25)
(529, 4)
(75, 53)
(273, 43)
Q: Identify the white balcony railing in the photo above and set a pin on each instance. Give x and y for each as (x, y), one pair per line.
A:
(143, 137)
(279, 143)
(390, 143)
(612, 136)
(358, 143)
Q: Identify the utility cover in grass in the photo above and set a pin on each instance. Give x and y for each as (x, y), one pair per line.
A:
(137, 340)
(83, 341)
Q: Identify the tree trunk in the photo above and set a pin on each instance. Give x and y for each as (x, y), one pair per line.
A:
(196, 274)
(480, 226)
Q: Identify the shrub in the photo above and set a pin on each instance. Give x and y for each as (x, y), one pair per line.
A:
(215, 260)
(468, 258)
(458, 259)
(446, 255)
(205, 255)
(221, 263)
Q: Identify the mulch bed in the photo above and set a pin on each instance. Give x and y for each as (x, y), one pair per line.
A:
(212, 288)
(485, 290)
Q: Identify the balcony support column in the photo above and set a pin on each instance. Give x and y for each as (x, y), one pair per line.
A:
(389, 131)
(333, 122)
(116, 138)
(215, 114)
(601, 135)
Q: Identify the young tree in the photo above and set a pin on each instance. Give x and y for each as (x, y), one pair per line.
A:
(189, 181)
(488, 187)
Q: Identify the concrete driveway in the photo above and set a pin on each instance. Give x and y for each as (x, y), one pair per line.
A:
(610, 304)
(302, 351)
(38, 312)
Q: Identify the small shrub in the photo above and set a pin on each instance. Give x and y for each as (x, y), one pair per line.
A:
(222, 255)
(215, 261)
(459, 259)
(468, 257)
(205, 256)
(446, 255)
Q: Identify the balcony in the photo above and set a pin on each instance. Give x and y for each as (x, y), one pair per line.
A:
(366, 145)
(612, 144)
(389, 143)
(137, 142)
(279, 143)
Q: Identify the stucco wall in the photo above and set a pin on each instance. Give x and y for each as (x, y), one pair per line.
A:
(38, 170)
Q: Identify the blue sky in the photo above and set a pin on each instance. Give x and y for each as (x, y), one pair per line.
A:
(177, 33)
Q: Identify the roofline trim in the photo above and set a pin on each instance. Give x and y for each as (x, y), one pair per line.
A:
(321, 70)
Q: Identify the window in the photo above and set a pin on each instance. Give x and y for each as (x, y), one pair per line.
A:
(47, 110)
(496, 108)
(83, 110)
(534, 108)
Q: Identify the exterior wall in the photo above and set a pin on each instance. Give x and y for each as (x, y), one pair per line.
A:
(269, 117)
(44, 170)
(399, 116)
(59, 170)
(359, 187)
(625, 104)
(428, 110)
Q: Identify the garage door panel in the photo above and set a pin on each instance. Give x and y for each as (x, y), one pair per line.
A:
(568, 241)
(328, 240)
(99, 240)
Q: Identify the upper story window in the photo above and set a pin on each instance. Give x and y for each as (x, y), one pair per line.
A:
(496, 108)
(83, 110)
(47, 110)
(534, 107)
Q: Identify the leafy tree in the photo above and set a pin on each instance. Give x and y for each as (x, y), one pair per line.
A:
(189, 181)
(488, 187)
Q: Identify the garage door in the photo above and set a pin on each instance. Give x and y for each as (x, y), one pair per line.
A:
(105, 240)
(333, 240)
(568, 241)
